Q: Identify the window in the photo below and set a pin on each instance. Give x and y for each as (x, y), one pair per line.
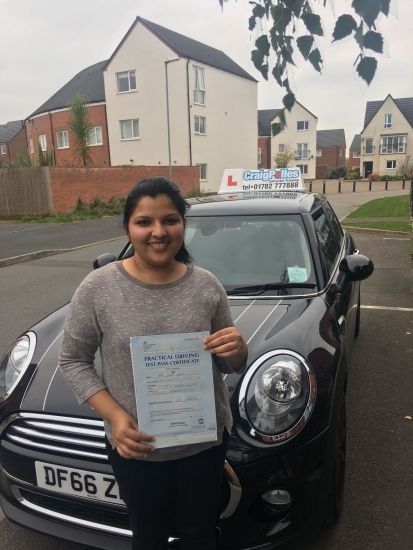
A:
(202, 172)
(95, 136)
(327, 240)
(369, 148)
(394, 144)
(129, 129)
(319, 152)
(199, 85)
(281, 147)
(387, 121)
(335, 224)
(302, 150)
(3, 149)
(62, 139)
(126, 81)
(303, 168)
(391, 164)
(43, 142)
(200, 124)
(356, 154)
(341, 153)
(31, 145)
(302, 125)
(259, 155)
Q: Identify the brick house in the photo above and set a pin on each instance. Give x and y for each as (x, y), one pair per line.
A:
(387, 136)
(265, 116)
(48, 125)
(354, 153)
(12, 138)
(331, 151)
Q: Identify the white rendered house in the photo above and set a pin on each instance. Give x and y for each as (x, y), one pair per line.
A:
(212, 102)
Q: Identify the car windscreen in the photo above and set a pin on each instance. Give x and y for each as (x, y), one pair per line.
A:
(263, 255)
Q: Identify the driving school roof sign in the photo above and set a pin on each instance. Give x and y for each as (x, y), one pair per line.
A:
(237, 180)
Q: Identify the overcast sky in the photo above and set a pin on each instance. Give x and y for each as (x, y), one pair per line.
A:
(44, 43)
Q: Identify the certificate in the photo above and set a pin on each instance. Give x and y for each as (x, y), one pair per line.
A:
(174, 388)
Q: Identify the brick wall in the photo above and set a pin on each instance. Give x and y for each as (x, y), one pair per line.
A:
(330, 156)
(56, 122)
(18, 142)
(265, 144)
(68, 184)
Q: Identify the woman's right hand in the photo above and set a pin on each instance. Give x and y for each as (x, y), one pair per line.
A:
(127, 437)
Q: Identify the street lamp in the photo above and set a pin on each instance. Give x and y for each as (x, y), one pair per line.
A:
(169, 60)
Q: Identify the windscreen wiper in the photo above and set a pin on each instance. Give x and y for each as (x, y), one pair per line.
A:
(259, 289)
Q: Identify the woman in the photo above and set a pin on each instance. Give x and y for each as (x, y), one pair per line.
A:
(156, 291)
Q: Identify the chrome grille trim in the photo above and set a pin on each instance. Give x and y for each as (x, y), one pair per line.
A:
(235, 491)
(70, 519)
(75, 452)
(64, 428)
(72, 440)
(50, 418)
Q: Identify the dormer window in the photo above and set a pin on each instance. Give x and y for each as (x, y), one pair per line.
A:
(387, 121)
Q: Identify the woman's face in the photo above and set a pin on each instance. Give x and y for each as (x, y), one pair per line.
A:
(156, 231)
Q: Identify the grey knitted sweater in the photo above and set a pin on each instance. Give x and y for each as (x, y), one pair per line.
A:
(110, 306)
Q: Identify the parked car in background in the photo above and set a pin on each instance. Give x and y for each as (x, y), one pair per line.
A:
(292, 275)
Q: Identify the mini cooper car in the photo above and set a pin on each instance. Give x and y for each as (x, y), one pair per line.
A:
(292, 276)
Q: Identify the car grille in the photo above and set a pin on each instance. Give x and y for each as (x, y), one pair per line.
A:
(84, 438)
(96, 514)
(65, 435)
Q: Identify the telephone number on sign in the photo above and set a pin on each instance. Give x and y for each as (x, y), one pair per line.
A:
(271, 186)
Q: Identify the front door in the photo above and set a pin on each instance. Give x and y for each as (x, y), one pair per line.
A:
(367, 168)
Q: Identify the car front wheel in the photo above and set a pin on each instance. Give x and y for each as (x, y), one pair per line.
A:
(336, 493)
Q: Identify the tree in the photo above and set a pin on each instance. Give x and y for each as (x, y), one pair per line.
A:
(404, 167)
(80, 128)
(284, 159)
(286, 17)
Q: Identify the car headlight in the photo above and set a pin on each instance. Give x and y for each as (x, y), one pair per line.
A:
(15, 363)
(277, 396)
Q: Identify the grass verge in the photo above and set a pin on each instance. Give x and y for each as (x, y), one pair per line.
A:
(387, 226)
(390, 207)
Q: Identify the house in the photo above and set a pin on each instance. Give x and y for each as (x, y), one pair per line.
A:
(331, 151)
(300, 134)
(12, 138)
(265, 116)
(212, 104)
(48, 125)
(354, 153)
(387, 135)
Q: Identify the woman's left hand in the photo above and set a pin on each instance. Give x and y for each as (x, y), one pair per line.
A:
(227, 343)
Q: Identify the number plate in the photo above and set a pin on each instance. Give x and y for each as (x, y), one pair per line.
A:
(77, 482)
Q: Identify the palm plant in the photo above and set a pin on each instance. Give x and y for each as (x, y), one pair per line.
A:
(46, 158)
(80, 127)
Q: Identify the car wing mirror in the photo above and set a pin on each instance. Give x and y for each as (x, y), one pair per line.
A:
(356, 267)
(103, 259)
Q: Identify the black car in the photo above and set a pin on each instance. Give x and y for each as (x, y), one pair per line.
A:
(292, 277)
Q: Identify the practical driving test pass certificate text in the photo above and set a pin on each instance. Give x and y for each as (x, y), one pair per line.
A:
(174, 388)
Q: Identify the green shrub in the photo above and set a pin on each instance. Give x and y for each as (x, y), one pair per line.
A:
(387, 177)
(339, 172)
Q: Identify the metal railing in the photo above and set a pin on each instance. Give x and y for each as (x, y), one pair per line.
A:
(369, 149)
(392, 149)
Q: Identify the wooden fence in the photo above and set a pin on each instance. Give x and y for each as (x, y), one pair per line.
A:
(24, 191)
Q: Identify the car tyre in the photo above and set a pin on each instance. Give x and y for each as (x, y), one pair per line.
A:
(335, 499)
(358, 314)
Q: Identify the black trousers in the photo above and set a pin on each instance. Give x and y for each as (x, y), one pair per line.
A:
(172, 498)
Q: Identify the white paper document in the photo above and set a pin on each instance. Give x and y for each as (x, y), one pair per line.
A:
(174, 388)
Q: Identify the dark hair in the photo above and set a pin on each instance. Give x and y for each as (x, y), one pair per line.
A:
(152, 188)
